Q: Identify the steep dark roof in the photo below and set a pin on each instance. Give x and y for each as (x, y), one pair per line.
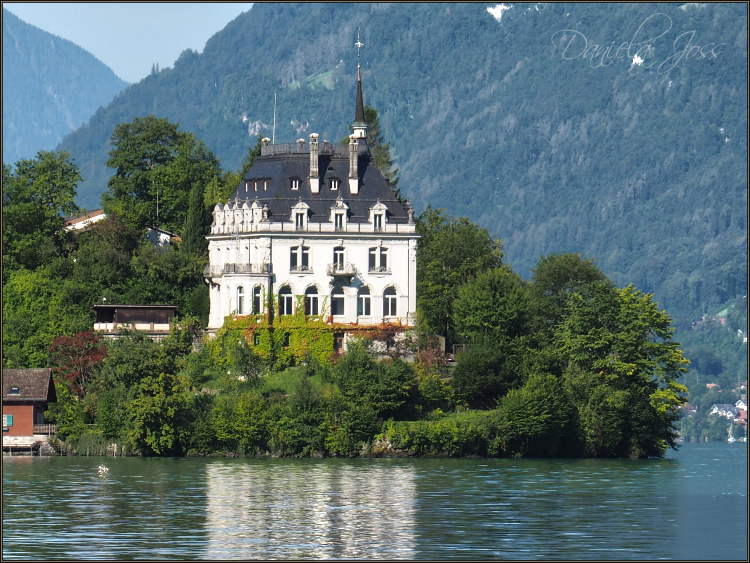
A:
(359, 113)
(279, 169)
(33, 385)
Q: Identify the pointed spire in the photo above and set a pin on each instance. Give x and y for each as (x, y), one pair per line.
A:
(359, 114)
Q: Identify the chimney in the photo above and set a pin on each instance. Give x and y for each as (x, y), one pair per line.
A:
(264, 142)
(300, 145)
(314, 179)
(353, 154)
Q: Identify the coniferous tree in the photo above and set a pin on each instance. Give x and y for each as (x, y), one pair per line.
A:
(196, 220)
(247, 162)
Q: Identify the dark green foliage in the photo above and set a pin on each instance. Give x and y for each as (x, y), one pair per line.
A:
(451, 252)
(156, 167)
(534, 419)
(37, 193)
(197, 223)
(382, 387)
(486, 371)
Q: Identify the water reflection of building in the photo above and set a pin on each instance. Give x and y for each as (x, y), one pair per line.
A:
(310, 509)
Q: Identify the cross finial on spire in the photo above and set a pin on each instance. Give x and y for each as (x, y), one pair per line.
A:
(358, 44)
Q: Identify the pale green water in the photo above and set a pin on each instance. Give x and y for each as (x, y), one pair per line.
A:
(692, 505)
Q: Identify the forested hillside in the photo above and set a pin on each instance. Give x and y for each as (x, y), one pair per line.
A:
(50, 87)
(539, 126)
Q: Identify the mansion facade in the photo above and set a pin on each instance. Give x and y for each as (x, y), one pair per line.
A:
(315, 226)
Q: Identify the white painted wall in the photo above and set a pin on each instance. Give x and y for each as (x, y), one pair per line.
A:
(271, 243)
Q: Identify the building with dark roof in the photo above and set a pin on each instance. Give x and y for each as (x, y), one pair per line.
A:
(26, 395)
(315, 225)
(154, 320)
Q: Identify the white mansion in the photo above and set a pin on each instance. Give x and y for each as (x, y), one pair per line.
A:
(317, 227)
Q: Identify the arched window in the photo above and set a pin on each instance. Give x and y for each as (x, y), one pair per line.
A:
(240, 300)
(363, 302)
(337, 301)
(257, 305)
(285, 300)
(389, 302)
(311, 301)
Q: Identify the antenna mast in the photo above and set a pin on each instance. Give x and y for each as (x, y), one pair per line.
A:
(273, 135)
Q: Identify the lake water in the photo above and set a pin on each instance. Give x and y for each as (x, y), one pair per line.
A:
(690, 505)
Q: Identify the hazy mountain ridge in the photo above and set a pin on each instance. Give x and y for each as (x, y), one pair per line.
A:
(644, 169)
(50, 87)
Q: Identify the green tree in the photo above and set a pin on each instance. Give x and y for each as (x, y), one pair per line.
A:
(381, 152)
(158, 415)
(451, 252)
(535, 418)
(155, 168)
(37, 193)
(196, 226)
(623, 370)
(556, 278)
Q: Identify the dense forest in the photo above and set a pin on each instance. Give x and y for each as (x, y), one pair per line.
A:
(510, 123)
(565, 364)
(50, 88)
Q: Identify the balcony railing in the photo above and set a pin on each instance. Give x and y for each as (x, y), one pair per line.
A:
(45, 429)
(218, 271)
(379, 270)
(301, 270)
(341, 269)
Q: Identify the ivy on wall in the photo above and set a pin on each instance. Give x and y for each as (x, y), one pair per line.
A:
(288, 339)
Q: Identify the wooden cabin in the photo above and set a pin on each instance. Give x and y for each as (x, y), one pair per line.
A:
(156, 320)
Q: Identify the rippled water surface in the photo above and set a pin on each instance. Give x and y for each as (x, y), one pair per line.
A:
(691, 505)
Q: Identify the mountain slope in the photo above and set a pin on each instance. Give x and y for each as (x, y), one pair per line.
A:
(50, 87)
(643, 167)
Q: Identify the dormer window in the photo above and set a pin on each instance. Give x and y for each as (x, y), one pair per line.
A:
(265, 184)
(378, 216)
(14, 391)
(339, 221)
(295, 183)
(334, 184)
(299, 221)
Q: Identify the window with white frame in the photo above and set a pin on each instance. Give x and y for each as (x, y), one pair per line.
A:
(299, 258)
(240, 300)
(373, 262)
(389, 302)
(311, 301)
(377, 221)
(337, 301)
(338, 219)
(383, 259)
(299, 221)
(257, 305)
(338, 258)
(295, 182)
(334, 183)
(285, 301)
(363, 302)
